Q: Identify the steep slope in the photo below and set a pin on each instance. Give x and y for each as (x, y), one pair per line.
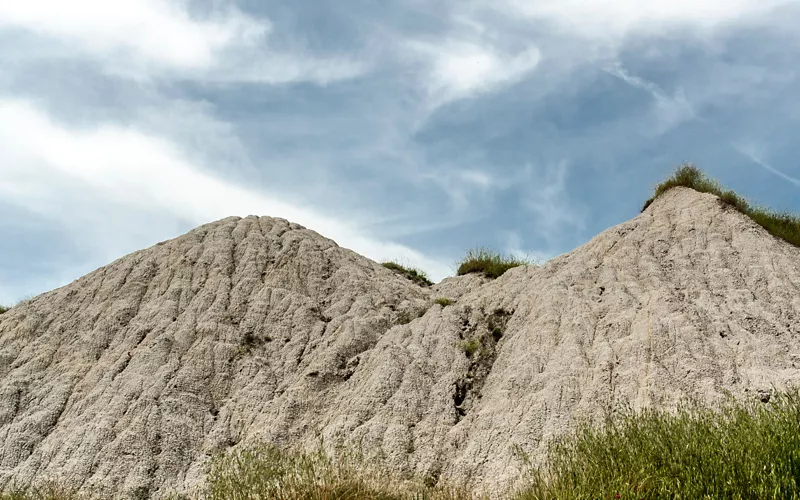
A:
(123, 379)
(256, 328)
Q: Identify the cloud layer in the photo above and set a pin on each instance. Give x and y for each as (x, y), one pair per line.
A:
(412, 131)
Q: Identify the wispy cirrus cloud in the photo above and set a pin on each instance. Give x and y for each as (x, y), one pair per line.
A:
(458, 69)
(669, 111)
(401, 127)
(751, 151)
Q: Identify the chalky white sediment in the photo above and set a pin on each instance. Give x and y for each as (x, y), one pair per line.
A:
(126, 380)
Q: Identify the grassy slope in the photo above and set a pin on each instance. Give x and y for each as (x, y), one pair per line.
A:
(418, 276)
(745, 450)
(780, 224)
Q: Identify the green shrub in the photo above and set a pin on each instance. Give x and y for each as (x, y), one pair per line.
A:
(780, 224)
(470, 347)
(4, 309)
(418, 276)
(741, 450)
(488, 262)
(264, 471)
(442, 301)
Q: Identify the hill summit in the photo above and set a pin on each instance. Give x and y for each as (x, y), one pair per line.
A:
(128, 379)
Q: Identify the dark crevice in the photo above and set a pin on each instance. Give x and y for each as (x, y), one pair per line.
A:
(481, 350)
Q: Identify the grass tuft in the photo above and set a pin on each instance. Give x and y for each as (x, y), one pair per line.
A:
(264, 471)
(737, 449)
(48, 491)
(740, 450)
(487, 262)
(470, 347)
(4, 309)
(443, 301)
(418, 276)
(783, 225)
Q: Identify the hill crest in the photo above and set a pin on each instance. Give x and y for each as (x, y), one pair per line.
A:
(131, 377)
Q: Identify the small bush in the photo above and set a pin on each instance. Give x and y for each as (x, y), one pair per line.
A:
(418, 276)
(4, 309)
(470, 347)
(491, 264)
(780, 224)
(442, 301)
(742, 450)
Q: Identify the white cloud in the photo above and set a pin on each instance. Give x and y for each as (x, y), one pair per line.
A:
(144, 39)
(606, 19)
(259, 66)
(549, 201)
(459, 69)
(157, 31)
(104, 183)
(514, 247)
(670, 111)
(754, 153)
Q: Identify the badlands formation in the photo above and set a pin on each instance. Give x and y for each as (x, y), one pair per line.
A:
(129, 378)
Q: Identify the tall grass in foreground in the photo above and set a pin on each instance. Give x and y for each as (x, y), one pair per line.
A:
(744, 450)
(489, 263)
(266, 472)
(783, 225)
(45, 492)
(739, 450)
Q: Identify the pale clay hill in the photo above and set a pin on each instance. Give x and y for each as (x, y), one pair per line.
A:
(128, 379)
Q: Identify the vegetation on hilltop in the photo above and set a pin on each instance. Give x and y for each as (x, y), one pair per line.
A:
(783, 225)
(418, 276)
(491, 264)
(4, 309)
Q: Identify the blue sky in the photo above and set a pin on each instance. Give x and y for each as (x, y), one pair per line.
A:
(409, 130)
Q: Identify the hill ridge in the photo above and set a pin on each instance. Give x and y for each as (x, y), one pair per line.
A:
(129, 378)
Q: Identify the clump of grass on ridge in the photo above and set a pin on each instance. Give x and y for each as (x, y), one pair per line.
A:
(487, 262)
(741, 450)
(4, 309)
(470, 347)
(783, 225)
(443, 301)
(418, 276)
(264, 471)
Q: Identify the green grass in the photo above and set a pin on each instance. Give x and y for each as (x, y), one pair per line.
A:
(738, 450)
(4, 309)
(443, 301)
(783, 225)
(49, 491)
(487, 262)
(418, 276)
(742, 450)
(263, 471)
(470, 347)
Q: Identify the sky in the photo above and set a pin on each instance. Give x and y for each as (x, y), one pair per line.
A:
(405, 130)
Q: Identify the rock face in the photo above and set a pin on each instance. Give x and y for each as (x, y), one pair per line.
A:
(126, 380)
